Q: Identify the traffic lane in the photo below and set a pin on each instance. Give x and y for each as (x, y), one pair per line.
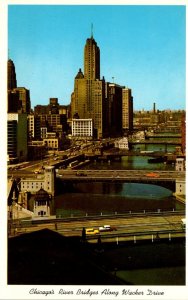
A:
(119, 229)
(126, 220)
(123, 230)
(122, 226)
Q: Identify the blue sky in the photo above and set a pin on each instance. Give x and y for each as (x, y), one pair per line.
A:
(142, 47)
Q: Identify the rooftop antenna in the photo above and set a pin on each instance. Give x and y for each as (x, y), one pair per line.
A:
(91, 30)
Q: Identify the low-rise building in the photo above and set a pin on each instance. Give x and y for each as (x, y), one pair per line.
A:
(180, 164)
(36, 150)
(139, 135)
(51, 143)
(122, 143)
(45, 181)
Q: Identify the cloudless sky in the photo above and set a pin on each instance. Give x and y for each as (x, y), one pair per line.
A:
(142, 47)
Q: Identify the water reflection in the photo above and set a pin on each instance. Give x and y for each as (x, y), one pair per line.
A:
(131, 190)
(106, 198)
(130, 163)
(150, 191)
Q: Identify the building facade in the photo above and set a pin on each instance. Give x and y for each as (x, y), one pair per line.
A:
(33, 127)
(42, 204)
(109, 105)
(53, 118)
(114, 109)
(122, 143)
(24, 99)
(127, 110)
(11, 73)
(91, 60)
(17, 136)
(88, 98)
(51, 143)
(45, 181)
(13, 101)
(82, 128)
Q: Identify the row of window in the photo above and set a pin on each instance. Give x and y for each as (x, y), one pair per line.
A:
(41, 213)
(42, 203)
(36, 185)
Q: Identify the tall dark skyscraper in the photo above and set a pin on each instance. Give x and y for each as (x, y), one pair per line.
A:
(18, 97)
(12, 96)
(91, 60)
(11, 80)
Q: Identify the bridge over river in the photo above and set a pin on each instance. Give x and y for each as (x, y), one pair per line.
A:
(119, 175)
(166, 179)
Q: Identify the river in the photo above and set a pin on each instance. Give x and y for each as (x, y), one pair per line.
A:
(109, 198)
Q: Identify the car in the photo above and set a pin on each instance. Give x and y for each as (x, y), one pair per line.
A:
(152, 175)
(107, 228)
(91, 231)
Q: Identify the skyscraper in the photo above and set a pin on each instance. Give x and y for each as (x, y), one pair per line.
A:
(17, 137)
(127, 110)
(18, 97)
(12, 96)
(114, 108)
(11, 80)
(109, 105)
(87, 100)
(91, 60)
(24, 99)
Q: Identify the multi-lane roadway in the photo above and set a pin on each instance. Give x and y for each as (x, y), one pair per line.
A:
(117, 175)
(126, 226)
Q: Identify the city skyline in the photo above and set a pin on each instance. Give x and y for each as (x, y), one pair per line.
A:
(48, 54)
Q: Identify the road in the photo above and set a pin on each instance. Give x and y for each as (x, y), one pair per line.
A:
(99, 175)
(124, 225)
(140, 175)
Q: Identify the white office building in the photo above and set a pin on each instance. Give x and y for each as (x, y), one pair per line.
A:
(82, 128)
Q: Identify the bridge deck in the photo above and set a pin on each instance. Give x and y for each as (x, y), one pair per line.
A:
(128, 227)
(119, 175)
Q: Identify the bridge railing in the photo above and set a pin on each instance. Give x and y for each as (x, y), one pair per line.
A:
(126, 214)
(153, 235)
